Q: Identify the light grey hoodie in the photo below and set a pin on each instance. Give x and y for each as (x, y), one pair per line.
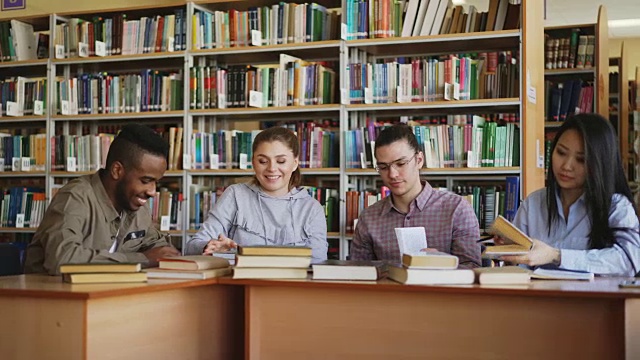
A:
(248, 216)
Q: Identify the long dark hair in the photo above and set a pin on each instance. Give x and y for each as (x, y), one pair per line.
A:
(288, 138)
(604, 175)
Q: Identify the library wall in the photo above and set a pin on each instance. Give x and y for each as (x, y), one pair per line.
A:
(44, 7)
(632, 49)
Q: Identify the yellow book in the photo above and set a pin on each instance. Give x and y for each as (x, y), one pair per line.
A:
(518, 243)
(506, 275)
(100, 268)
(96, 278)
(193, 262)
(430, 260)
(186, 274)
(275, 250)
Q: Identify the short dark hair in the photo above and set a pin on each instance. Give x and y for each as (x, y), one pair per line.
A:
(396, 133)
(132, 142)
(604, 175)
(288, 138)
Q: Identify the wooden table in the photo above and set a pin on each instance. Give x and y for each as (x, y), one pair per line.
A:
(43, 318)
(386, 320)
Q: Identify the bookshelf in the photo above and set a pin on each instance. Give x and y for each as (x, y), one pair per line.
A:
(180, 62)
(576, 72)
(619, 108)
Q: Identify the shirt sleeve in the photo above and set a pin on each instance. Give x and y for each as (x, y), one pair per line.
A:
(62, 233)
(621, 259)
(316, 229)
(219, 221)
(466, 233)
(362, 244)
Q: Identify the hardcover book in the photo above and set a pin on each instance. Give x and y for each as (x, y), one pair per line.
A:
(193, 262)
(349, 270)
(275, 250)
(519, 242)
(100, 268)
(95, 278)
(186, 274)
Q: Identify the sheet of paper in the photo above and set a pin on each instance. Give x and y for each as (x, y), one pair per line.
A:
(411, 239)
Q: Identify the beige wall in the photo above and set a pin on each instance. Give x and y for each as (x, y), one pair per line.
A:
(45, 7)
(632, 51)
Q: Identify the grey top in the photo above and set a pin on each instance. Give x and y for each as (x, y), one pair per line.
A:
(248, 216)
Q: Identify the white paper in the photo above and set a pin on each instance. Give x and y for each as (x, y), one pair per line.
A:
(15, 164)
(256, 37)
(186, 161)
(13, 109)
(255, 98)
(243, 161)
(71, 164)
(38, 107)
(59, 51)
(165, 223)
(83, 49)
(213, 161)
(411, 240)
(101, 48)
(26, 164)
(19, 220)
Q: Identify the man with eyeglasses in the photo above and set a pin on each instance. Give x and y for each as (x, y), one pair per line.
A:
(449, 221)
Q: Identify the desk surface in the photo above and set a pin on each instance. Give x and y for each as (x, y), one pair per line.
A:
(604, 287)
(45, 286)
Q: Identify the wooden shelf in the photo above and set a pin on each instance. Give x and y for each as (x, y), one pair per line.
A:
(267, 113)
(318, 50)
(120, 58)
(456, 106)
(553, 124)
(450, 43)
(5, 174)
(28, 118)
(17, 230)
(243, 172)
(24, 63)
(446, 171)
(558, 72)
(168, 173)
(119, 116)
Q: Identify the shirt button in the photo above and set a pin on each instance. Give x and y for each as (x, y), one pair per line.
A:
(408, 217)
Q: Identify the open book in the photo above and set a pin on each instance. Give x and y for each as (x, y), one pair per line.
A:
(518, 242)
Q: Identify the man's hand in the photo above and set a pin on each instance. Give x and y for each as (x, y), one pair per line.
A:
(222, 244)
(160, 252)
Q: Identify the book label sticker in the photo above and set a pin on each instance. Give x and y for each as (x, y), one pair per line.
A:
(343, 31)
(13, 109)
(256, 37)
(59, 51)
(243, 161)
(101, 48)
(456, 91)
(255, 98)
(448, 91)
(19, 220)
(214, 161)
(540, 155)
(344, 99)
(15, 164)
(83, 49)
(222, 101)
(400, 95)
(165, 223)
(38, 107)
(64, 107)
(368, 95)
(186, 161)
(71, 164)
(171, 44)
(1, 164)
(26, 164)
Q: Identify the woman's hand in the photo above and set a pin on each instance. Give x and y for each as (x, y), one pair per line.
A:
(540, 254)
(221, 244)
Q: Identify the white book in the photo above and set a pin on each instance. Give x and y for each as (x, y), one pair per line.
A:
(411, 239)
(431, 277)
(430, 16)
(24, 40)
(422, 10)
(442, 10)
(410, 17)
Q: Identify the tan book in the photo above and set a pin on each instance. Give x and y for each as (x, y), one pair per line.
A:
(273, 261)
(430, 260)
(269, 273)
(431, 277)
(187, 274)
(193, 262)
(505, 275)
(100, 268)
(275, 250)
(90, 278)
(349, 270)
(517, 242)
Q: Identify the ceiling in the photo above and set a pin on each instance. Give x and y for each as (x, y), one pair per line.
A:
(567, 12)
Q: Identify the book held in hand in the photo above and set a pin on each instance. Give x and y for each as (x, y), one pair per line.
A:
(97, 278)
(411, 239)
(193, 262)
(349, 270)
(274, 250)
(430, 260)
(518, 243)
(186, 274)
(100, 268)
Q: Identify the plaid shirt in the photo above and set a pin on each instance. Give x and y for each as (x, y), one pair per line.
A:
(449, 221)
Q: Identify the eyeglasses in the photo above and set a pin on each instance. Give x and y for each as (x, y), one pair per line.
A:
(398, 164)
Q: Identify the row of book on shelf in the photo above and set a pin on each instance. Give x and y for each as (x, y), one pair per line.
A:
(563, 99)
(282, 23)
(445, 77)
(387, 18)
(480, 144)
(575, 51)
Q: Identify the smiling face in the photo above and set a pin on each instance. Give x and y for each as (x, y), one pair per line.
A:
(399, 166)
(568, 162)
(136, 185)
(273, 163)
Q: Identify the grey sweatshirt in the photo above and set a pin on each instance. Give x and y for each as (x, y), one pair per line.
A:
(248, 216)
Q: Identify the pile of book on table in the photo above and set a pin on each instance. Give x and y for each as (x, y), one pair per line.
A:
(92, 273)
(430, 268)
(359, 270)
(272, 262)
(190, 267)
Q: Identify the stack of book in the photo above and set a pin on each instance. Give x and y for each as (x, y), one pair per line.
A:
(190, 267)
(272, 262)
(430, 268)
(89, 273)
